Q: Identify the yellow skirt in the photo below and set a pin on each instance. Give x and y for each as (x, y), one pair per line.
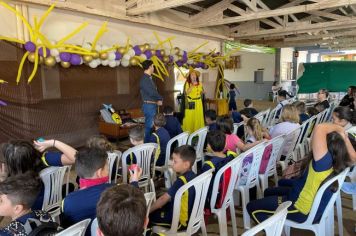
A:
(194, 118)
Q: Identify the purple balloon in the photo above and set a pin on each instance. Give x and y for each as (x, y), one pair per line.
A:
(158, 53)
(2, 103)
(75, 59)
(118, 56)
(179, 63)
(65, 56)
(137, 50)
(185, 55)
(148, 54)
(29, 46)
(40, 52)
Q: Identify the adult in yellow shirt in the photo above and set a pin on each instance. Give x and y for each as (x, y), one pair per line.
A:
(193, 114)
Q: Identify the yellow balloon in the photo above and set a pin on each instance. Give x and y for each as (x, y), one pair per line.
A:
(50, 61)
(147, 46)
(153, 52)
(166, 59)
(176, 50)
(121, 50)
(65, 64)
(31, 57)
(104, 56)
(142, 48)
(133, 61)
(96, 54)
(87, 58)
(40, 60)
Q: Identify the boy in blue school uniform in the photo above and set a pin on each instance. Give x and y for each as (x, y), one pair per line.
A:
(17, 194)
(92, 167)
(136, 136)
(161, 212)
(210, 119)
(216, 141)
(172, 124)
(161, 137)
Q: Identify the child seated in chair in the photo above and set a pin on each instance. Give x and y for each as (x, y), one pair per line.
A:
(162, 210)
(216, 141)
(92, 167)
(17, 194)
(161, 137)
(172, 124)
(210, 119)
(136, 135)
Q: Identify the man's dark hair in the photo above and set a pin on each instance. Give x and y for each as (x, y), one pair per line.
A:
(121, 211)
(186, 153)
(22, 189)
(167, 110)
(247, 102)
(146, 64)
(232, 86)
(225, 124)
(159, 120)
(282, 93)
(89, 160)
(211, 114)
(216, 139)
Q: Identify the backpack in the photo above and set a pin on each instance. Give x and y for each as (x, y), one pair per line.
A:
(40, 225)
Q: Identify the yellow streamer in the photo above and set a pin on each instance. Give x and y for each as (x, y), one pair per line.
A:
(12, 40)
(127, 45)
(78, 52)
(34, 68)
(3, 81)
(45, 15)
(175, 64)
(19, 71)
(100, 33)
(44, 40)
(110, 49)
(21, 17)
(74, 32)
(79, 48)
(197, 48)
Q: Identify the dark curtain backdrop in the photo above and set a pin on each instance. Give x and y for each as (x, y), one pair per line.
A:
(64, 103)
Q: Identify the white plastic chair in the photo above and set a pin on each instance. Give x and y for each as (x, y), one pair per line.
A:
(94, 227)
(271, 120)
(263, 116)
(53, 178)
(273, 226)
(76, 230)
(326, 224)
(234, 167)
(252, 179)
(291, 140)
(112, 157)
(144, 155)
(196, 220)
(271, 169)
(199, 148)
(237, 126)
(181, 139)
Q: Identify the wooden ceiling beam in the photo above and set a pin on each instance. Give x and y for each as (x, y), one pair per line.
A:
(208, 12)
(321, 36)
(329, 15)
(298, 28)
(279, 12)
(148, 6)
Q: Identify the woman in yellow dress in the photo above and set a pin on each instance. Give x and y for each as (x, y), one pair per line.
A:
(193, 114)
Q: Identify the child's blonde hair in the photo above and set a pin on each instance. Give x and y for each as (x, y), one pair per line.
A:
(101, 142)
(256, 128)
(290, 113)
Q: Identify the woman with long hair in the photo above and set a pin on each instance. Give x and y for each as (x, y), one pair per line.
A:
(331, 153)
(194, 112)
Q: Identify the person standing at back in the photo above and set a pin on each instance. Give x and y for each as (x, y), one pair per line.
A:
(150, 97)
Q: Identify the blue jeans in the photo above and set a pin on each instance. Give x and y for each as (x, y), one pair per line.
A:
(149, 110)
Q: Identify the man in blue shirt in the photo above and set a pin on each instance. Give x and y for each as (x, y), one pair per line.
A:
(150, 96)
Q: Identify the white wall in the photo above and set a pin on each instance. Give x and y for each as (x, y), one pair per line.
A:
(251, 62)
